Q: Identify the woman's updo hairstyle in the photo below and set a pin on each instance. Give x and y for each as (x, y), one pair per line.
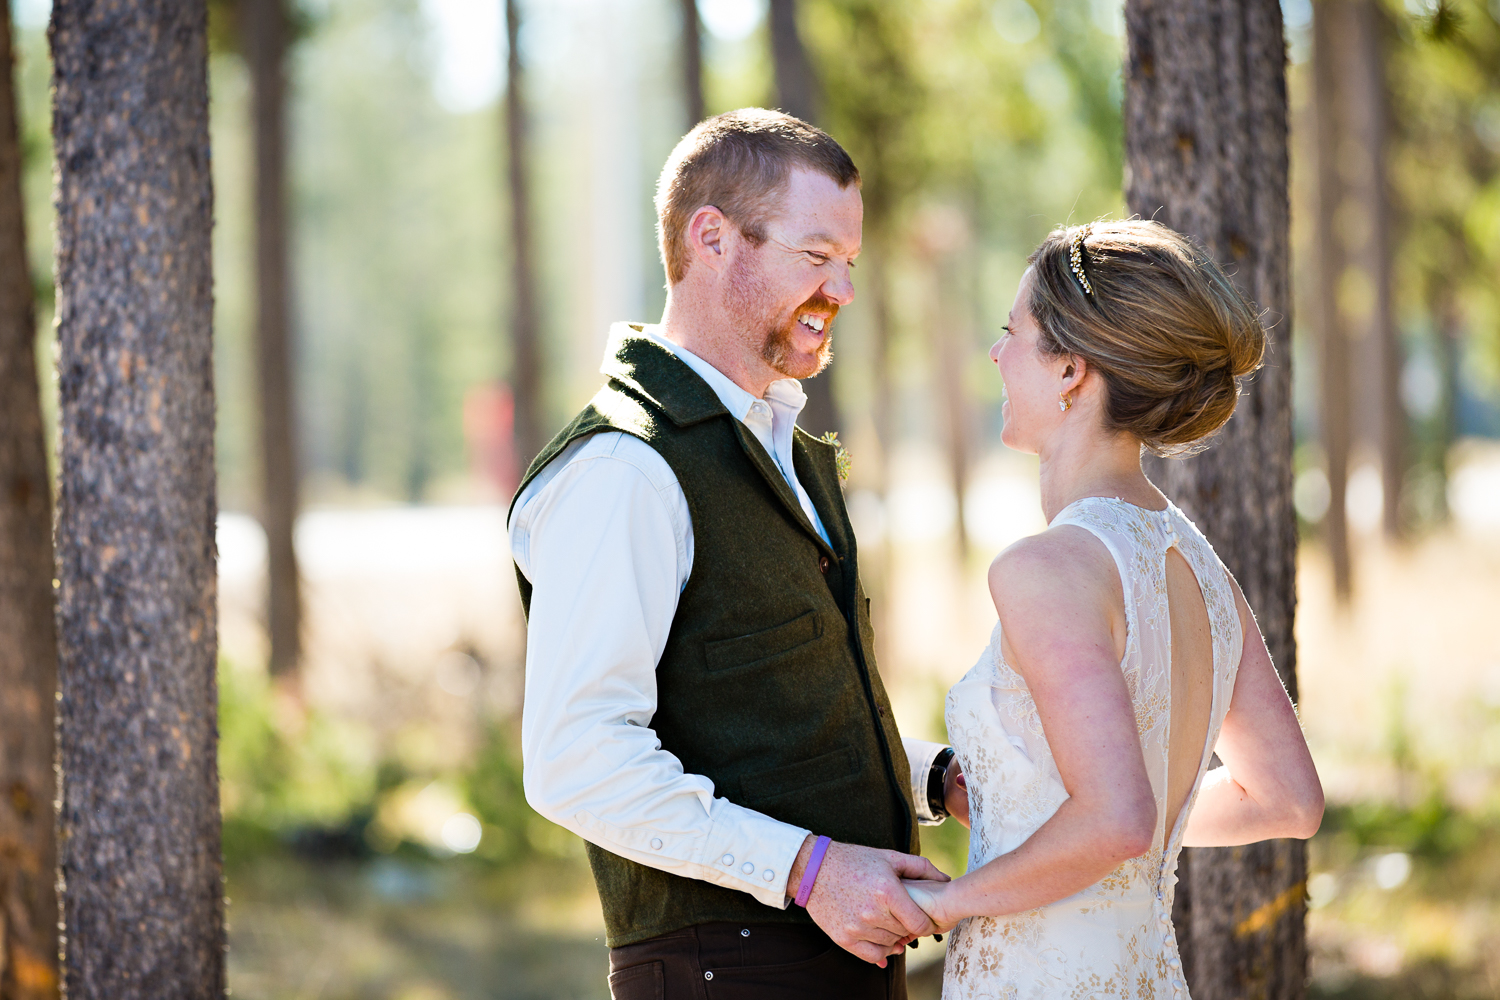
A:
(1156, 318)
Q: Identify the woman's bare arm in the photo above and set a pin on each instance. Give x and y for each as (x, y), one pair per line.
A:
(1268, 786)
(1062, 615)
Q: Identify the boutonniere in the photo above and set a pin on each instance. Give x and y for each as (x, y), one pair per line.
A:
(841, 460)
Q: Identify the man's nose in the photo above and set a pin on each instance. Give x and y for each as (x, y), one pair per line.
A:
(841, 288)
(995, 352)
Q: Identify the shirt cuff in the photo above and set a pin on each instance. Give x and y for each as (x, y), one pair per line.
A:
(750, 851)
(743, 850)
(920, 754)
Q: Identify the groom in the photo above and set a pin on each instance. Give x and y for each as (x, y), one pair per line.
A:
(702, 704)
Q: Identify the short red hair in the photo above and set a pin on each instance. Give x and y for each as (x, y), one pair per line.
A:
(738, 162)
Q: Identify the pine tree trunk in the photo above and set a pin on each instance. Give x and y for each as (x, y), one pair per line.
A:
(797, 95)
(877, 562)
(1367, 121)
(139, 823)
(692, 61)
(1334, 407)
(796, 87)
(264, 23)
(1206, 153)
(525, 337)
(28, 643)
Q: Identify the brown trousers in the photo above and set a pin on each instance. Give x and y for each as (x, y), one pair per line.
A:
(722, 961)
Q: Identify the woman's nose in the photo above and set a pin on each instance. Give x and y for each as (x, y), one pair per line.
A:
(995, 352)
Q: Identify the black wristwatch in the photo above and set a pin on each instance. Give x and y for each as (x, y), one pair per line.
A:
(935, 775)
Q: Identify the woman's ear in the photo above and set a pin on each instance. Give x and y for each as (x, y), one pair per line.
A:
(1073, 372)
(705, 236)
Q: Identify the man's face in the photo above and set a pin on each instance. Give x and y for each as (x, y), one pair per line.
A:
(785, 293)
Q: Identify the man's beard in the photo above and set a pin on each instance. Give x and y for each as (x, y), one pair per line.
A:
(778, 351)
(750, 299)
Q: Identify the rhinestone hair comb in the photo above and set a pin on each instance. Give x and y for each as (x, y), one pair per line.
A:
(1075, 260)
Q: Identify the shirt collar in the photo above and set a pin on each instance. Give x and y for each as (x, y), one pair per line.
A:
(785, 391)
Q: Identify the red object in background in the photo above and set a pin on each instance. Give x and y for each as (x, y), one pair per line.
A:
(490, 434)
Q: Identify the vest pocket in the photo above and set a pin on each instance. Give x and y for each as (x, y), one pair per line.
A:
(798, 777)
(757, 647)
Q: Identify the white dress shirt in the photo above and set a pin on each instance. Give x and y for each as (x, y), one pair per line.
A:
(604, 536)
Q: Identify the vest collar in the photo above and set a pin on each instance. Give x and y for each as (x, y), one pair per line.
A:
(817, 471)
(632, 359)
(682, 395)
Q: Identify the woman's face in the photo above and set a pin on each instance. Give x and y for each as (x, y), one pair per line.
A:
(1033, 380)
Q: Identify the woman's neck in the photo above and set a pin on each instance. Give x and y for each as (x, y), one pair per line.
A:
(1088, 465)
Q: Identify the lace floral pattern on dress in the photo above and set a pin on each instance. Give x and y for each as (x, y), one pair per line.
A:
(1115, 938)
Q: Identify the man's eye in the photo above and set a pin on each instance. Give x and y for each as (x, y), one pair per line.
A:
(817, 258)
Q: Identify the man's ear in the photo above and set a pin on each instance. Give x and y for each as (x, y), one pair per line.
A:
(706, 233)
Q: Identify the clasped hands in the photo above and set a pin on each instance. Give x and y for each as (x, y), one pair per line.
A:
(873, 903)
(860, 899)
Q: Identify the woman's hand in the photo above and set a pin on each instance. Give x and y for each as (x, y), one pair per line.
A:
(935, 899)
(956, 792)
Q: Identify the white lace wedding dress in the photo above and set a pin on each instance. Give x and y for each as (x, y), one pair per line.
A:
(1115, 938)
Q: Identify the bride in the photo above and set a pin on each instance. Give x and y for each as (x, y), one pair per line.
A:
(1125, 655)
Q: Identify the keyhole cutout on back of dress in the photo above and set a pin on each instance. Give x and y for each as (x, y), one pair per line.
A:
(1192, 684)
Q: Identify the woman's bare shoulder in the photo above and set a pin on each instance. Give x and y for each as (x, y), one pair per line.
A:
(1058, 559)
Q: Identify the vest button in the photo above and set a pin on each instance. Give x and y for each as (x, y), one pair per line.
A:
(823, 565)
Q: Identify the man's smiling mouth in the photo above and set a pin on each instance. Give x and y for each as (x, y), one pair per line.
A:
(812, 322)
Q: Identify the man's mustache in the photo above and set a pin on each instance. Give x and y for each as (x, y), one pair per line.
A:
(820, 304)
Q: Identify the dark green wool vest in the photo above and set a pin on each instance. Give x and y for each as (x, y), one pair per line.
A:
(768, 683)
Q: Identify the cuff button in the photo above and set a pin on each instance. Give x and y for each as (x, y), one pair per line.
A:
(656, 843)
(728, 859)
(747, 868)
(768, 875)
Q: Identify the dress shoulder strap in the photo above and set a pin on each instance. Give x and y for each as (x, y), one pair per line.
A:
(1129, 532)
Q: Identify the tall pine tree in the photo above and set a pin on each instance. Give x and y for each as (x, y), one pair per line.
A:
(1206, 153)
(265, 31)
(28, 645)
(137, 631)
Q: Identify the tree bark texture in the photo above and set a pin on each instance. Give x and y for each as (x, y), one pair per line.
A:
(1330, 23)
(1206, 153)
(525, 337)
(28, 642)
(265, 32)
(139, 823)
(797, 95)
(692, 61)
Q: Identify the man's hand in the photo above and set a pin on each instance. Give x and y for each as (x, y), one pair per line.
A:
(956, 792)
(858, 899)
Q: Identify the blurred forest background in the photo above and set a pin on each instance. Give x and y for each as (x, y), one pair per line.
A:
(376, 839)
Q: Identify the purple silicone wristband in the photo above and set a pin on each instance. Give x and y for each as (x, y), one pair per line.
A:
(810, 873)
